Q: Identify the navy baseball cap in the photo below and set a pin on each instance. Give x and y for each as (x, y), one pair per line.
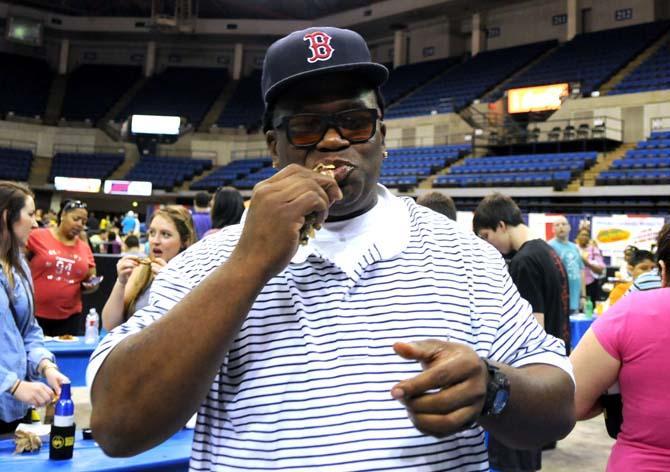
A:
(315, 51)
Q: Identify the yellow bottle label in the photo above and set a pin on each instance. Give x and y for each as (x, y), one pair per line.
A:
(69, 441)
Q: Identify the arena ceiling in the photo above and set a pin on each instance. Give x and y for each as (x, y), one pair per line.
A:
(242, 9)
(232, 9)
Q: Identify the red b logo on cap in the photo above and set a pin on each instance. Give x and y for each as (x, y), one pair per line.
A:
(319, 43)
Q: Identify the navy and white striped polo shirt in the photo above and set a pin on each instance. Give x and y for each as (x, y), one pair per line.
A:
(306, 384)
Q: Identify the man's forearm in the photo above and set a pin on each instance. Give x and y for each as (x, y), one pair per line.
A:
(540, 408)
(152, 382)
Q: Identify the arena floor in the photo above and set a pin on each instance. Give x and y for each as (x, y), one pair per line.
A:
(586, 449)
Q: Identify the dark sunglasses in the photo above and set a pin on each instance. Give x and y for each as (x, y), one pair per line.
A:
(308, 129)
(74, 204)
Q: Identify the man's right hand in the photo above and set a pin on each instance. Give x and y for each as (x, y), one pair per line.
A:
(277, 213)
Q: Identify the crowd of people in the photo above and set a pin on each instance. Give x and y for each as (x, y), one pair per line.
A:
(48, 264)
(389, 340)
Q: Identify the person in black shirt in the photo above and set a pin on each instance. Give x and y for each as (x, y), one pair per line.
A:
(538, 273)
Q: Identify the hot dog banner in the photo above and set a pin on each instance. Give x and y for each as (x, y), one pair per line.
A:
(614, 233)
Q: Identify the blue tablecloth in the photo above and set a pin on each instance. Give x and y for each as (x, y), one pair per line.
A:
(172, 455)
(72, 358)
(579, 324)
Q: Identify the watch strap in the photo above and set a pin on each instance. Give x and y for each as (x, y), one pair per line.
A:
(496, 381)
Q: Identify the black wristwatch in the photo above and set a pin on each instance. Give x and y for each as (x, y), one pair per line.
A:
(497, 391)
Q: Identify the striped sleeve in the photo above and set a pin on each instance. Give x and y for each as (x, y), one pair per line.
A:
(172, 284)
(520, 340)
(647, 281)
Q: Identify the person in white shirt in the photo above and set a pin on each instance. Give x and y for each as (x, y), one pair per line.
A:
(389, 341)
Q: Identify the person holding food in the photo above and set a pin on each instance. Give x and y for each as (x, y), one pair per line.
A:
(24, 358)
(338, 327)
(170, 232)
(63, 266)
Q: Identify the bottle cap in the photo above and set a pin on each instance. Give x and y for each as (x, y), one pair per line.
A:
(65, 393)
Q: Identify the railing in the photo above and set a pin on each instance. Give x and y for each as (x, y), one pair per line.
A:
(249, 153)
(87, 148)
(420, 141)
(402, 142)
(659, 123)
(554, 131)
(188, 152)
(19, 144)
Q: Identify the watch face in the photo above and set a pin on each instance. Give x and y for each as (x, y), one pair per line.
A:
(500, 401)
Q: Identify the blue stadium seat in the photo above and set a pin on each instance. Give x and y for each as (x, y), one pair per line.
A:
(166, 93)
(234, 171)
(461, 84)
(245, 106)
(647, 164)
(24, 85)
(15, 164)
(591, 58)
(521, 170)
(85, 165)
(167, 172)
(92, 89)
(652, 74)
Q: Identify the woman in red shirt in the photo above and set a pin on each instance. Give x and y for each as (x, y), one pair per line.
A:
(62, 265)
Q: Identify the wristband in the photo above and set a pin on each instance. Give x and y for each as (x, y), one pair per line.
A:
(15, 388)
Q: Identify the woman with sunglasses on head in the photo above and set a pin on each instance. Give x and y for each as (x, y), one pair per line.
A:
(630, 344)
(170, 232)
(62, 266)
(24, 358)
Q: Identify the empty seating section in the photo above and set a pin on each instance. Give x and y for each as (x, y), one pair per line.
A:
(188, 92)
(245, 105)
(85, 165)
(461, 84)
(15, 164)
(233, 173)
(24, 85)
(167, 172)
(522, 170)
(93, 89)
(406, 78)
(405, 167)
(652, 74)
(591, 58)
(253, 178)
(648, 163)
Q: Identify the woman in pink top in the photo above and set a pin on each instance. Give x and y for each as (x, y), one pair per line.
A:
(630, 344)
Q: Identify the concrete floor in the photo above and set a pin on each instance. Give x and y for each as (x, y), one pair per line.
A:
(586, 449)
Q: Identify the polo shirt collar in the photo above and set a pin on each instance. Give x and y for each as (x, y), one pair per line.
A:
(379, 234)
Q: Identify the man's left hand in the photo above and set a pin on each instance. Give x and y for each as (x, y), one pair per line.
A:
(449, 395)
